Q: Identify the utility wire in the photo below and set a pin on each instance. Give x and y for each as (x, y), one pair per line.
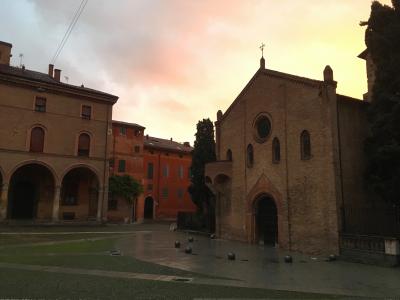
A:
(69, 30)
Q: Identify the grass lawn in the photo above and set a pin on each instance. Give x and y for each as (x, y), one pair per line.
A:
(26, 238)
(36, 284)
(91, 251)
(85, 254)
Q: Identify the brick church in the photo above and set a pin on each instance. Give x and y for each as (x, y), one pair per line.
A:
(290, 163)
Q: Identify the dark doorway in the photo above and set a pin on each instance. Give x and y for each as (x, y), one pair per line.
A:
(31, 193)
(23, 206)
(148, 208)
(267, 221)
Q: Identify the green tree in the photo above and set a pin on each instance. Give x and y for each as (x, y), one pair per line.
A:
(382, 147)
(125, 187)
(203, 152)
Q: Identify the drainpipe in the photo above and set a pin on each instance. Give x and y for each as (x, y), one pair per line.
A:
(158, 182)
(105, 191)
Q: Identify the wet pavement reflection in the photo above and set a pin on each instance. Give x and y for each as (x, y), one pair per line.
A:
(258, 266)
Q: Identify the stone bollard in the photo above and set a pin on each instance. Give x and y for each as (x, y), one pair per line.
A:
(212, 236)
(332, 257)
(188, 250)
(177, 244)
(288, 259)
(231, 256)
(190, 239)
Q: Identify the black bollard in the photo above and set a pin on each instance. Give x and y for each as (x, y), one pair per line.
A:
(231, 256)
(288, 259)
(190, 239)
(188, 250)
(332, 257)
(177, 244)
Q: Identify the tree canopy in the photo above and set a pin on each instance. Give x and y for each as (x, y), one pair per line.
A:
(203, 152)
(125, 186)
(382, 147)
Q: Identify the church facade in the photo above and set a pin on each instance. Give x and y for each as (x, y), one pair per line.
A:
(289, 160)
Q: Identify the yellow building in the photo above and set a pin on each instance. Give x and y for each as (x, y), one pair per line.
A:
(54, 145)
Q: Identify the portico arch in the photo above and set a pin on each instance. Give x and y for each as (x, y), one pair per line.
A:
(81, 194)
(35, 162)
(31, 191)
(2, 176)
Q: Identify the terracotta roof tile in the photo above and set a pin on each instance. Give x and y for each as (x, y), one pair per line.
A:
(154, 142)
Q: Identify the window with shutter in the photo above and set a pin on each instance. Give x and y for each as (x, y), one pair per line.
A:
(84, 145)
(121, 166)
(86, 112)
(40, 104)
(37, 140)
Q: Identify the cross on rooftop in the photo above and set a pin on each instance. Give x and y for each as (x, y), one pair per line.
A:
(262, 49)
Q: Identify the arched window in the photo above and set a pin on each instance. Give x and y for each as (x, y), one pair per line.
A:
(229, 155)
(250, 156)
(84, 145)
(276, 151)
(305, 144)
(37, 140)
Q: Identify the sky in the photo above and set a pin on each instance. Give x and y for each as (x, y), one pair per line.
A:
(175, 62)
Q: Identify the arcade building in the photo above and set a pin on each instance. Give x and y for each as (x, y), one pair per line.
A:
(54, 141)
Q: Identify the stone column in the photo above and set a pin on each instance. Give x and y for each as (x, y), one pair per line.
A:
(4, 201)
(105, 204)
(56, 204)
(100, 205)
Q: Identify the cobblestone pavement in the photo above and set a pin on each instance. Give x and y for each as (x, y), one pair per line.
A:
(258, 266)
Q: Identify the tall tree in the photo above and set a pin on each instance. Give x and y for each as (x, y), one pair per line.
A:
(382, 147)
(203, 152)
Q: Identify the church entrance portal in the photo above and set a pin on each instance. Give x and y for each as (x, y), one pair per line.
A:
(266, 221)
(148, 208)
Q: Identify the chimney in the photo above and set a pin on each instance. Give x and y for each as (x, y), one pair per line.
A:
(5, 53)
(186, 144)
(57, 74)
(51, 70)
(171, 139)
(147, 136)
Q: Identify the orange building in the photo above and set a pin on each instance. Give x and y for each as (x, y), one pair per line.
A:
(126, 158)
(162, 166)
(167, 178)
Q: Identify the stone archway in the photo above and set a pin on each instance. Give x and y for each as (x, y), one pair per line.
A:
(223, 202)
(149, 208)
(31, 192)
(266, 220)
(80, 195)
(265, 189)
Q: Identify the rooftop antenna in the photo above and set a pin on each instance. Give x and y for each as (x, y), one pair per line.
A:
(21, 55)
(66, 78)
